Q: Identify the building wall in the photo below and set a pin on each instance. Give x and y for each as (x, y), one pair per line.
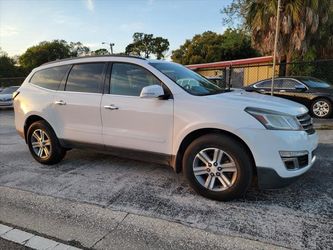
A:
(259, 72)
(243, 75)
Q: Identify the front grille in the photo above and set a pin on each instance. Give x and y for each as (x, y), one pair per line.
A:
(306, 122)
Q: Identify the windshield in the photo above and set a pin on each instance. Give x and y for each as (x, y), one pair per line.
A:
(190, 81)
(9, 90)
(316, 83)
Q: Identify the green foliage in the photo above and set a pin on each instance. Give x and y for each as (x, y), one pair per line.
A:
(8, 67)
(213, 47)
(304, 25)
(101, 52)
(146, 44)
(303, 69)
(49, 51)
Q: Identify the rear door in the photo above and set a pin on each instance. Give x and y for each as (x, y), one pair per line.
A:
(294, 90)
(132, 122)
(77, 105)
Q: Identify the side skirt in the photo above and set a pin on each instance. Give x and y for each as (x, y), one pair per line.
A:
(141, 155)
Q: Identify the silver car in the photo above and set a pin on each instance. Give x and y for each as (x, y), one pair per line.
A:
(6, 100)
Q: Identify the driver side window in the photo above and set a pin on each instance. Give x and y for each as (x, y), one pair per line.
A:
(129, 79)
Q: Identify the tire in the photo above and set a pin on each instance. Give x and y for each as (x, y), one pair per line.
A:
(321, 108)
(235, 159)
(49, 151)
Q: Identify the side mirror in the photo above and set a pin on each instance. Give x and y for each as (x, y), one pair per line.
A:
(152, 91)
(300, 88)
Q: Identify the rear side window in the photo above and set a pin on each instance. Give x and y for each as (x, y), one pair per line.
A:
(129, 79)
(268, 84)
(85, 78)
(50, 78)
(290, 84)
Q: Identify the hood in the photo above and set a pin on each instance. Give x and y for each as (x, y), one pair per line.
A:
(5, 97)
(243, 99)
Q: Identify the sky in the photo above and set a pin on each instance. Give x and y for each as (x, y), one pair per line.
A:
(26, 23)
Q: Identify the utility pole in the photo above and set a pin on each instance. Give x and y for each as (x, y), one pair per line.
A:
(111, 46)
(275, 43)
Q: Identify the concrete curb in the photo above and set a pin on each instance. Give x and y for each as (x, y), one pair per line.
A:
(31, 240)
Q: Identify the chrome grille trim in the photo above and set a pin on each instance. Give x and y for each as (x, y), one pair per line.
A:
(306, 122)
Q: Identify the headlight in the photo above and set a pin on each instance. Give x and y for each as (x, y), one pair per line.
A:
(274, 120)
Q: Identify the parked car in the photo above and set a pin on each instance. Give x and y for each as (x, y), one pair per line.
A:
(163, 112)
(315, 94)
(219, 81)
(6, 97)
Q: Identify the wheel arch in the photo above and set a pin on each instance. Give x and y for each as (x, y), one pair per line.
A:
(30, 120)
(188, 139)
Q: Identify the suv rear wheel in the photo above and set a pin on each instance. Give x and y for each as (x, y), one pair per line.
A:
(218, 167)
(44, 144)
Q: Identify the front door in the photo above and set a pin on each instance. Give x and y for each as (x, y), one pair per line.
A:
(132, 122)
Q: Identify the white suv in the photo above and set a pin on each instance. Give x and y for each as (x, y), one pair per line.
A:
(163, 112)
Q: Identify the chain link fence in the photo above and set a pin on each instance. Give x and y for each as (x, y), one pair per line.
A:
(12, 81)
(239, 76)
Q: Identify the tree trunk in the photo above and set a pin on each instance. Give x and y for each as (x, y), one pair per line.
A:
(288, 61)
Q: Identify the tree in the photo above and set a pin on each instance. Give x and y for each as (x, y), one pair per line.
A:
(8, 67)
(78, 49)
(146, 44)
(213, 47)
(49, 51)
(100, 52)
(161, 45)
(304, 25)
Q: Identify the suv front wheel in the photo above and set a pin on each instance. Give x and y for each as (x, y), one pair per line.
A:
(44, 144)
(218, 167)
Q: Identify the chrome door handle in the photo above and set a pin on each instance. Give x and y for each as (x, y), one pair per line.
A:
(61, 102)
(112, 107)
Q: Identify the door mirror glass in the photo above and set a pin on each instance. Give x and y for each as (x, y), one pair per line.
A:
(300, 87)
(152, 91)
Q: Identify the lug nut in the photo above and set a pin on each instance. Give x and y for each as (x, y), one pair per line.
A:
(215, 164)
(218, 174)
(208, 169)
(219, 168)
(211, 174)
(209, 164)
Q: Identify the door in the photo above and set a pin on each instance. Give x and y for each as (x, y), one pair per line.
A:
(295, 91)
(77, 107)
(132, 122)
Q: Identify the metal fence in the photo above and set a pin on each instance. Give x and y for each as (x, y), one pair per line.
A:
(239, 76)
(12, 81)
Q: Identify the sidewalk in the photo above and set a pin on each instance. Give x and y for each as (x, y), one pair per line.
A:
(90, 226)
(324, 124)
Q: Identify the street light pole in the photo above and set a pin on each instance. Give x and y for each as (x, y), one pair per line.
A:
(111, 46)
(275, 43)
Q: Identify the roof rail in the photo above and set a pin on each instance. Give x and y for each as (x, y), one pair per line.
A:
(82, 57)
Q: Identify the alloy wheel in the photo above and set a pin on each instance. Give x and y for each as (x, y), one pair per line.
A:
(321, 108)
(214, 169)
(41, 143)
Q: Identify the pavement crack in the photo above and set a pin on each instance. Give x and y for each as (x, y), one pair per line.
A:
(115, 228)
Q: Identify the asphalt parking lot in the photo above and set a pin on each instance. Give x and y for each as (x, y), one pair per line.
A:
(299, 216)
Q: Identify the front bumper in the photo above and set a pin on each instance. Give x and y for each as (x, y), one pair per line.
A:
(268, 178)
(6, 104)
(266, 146)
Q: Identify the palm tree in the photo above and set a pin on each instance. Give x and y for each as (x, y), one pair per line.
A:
(299, 26)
